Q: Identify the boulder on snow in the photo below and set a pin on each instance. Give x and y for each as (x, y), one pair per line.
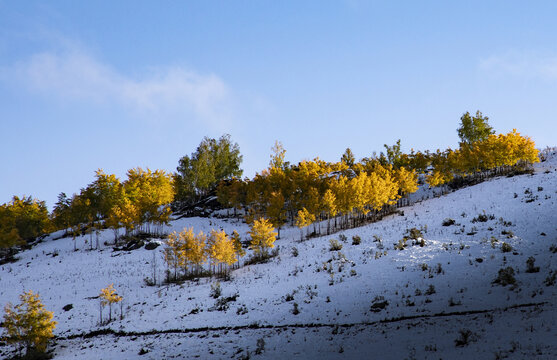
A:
(152, 245)
(133, 245)
(379, 305)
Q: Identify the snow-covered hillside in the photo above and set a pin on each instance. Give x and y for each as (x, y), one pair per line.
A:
(364, 301)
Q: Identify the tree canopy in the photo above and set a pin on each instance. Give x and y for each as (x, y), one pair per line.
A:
(22, 220)
(212, 162)
(474, 128)
(29, 323)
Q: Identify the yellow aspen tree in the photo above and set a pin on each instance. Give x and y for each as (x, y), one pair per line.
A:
(186, 238)
(313, 204)
(29, 323)
(196, 250)
(150, 192)
(383, 187)
(108, 296)
(221, 249)
(126, 214)
(173, 253)
(276, 210)
(341, 189)
(407, 180)
(263, 237)
(360, 188)
(523, 148)
(303, 219)
(329, 204)
(437, 178)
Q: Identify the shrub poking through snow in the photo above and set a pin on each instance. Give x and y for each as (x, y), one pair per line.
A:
(448, 222)
(530, 267)
(413, 234)
(295, 251)
(401, 245)
(483, 218)
(216, 290)
(356, 240)
(260, 346)
(493, 241)
(505, 277)
(334, 245)
(466, 336)
(506, 247)
(550, 279)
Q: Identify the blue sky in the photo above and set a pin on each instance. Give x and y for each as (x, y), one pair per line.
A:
(121, 84)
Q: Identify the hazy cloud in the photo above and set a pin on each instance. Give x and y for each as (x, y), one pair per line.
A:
(75, 75)
(521, 65)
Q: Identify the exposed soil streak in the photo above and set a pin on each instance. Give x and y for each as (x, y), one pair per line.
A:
(109, 331)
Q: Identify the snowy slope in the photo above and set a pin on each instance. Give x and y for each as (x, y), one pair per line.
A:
(334, 290)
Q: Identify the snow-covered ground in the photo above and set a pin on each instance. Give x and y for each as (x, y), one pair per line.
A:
(435, 294)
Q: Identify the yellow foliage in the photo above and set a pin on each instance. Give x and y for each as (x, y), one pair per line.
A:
(407, 180)
(262, 236)
(494, 151)
(304, 218)
(29, 323)
(185, 249)
(195, 248)
(329, 202)
(148, 190)
(221, 248)
(173, 251)
(109, 296)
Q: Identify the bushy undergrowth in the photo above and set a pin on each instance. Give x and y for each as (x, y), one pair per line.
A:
(334, 245)
(505, 277)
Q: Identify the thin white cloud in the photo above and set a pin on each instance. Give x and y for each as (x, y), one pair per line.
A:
(526, 65)
(75, 75)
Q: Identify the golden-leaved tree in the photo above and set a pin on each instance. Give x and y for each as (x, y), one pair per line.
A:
(173, 253)
(304, 219)
(221, 250)
(329, 205)
(22, 220)
(150, 192)
(29, 323)
(108, 296)
(263, 237)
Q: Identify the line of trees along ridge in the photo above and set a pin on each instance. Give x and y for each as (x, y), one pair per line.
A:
(343, 193)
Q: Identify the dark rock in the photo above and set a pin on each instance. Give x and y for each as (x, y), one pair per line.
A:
(133, 245)
(480, 260)
(68, 307)
(378, 306)
(152, 245)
